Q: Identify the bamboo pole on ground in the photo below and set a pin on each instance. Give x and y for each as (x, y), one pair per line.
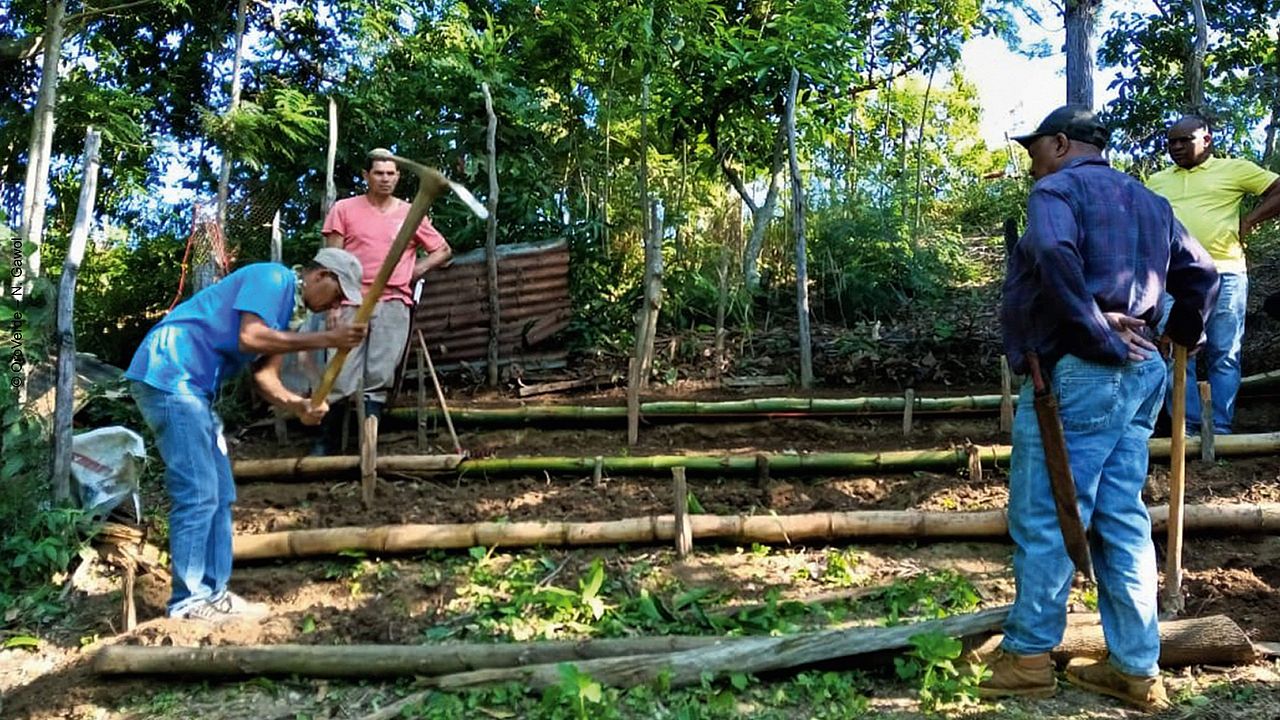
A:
(889, 461)
(1171, 599)
(782, 529)
(65, 377)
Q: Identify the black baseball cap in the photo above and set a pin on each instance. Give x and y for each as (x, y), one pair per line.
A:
(1076, 122)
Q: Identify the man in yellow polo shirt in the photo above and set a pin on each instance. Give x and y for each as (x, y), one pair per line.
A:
(1205, 192)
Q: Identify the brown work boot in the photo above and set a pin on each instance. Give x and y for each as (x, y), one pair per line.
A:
(1018, 675)
(1146, 693)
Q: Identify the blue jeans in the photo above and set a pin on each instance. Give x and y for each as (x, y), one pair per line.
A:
(198, 479)
(1108, 413)
(1223, 332)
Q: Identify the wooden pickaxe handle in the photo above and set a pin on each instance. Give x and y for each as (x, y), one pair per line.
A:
(431, 183)
(1172, 600)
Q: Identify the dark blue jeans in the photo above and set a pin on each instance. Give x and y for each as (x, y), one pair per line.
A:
(198, 479)
(1108, 413)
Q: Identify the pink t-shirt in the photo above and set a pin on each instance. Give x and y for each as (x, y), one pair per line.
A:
(368, 234)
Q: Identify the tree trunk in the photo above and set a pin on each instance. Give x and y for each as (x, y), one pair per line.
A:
(66, 375)
(36, 188)
(330, 188)
(1195, 63)
(802, 262)
(652, 292)
(722, 304)
(491, 238)
(761, 214)
(1079, 19)
(210, 268)
(1213, 640)
(660, 529)
(924, 114)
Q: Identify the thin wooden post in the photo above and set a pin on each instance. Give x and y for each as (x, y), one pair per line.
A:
(277, 254)
(633, 403)
(683, 525)
(444, 406)
(36, 186)
(64, 394)
(597, 472)
(491, 238)
(1172, 600)
(802, 266)
(908, 406)
(1006, 396)
(1207, 451)
(422, 402)
(330, 188)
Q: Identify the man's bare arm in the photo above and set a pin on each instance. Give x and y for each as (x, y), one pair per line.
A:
(432, 260)
(1267, 209)
(266, 374)
(258, 337)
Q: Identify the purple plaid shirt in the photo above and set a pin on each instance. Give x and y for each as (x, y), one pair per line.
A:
(1098, 241)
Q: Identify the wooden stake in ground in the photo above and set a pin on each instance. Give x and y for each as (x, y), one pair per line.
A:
(435, 382)
(369, 459)
(908, 407)
(803, 336)
(1207, 453)
(64, 400)
(491, 238)
(683, 528)
(1006, 396)
(1172, 602)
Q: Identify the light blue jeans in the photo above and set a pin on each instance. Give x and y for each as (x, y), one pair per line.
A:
(198, 479)
(1108, 413)
(1224, 333)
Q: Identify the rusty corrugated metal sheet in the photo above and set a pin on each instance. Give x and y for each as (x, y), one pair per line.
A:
(533, 282)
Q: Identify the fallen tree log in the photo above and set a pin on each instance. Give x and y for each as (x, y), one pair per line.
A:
(1213, 640)
(779, 463)
(687, 667)
(890, 524)
(370, 661)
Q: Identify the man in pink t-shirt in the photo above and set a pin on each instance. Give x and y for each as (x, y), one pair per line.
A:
(366, 226)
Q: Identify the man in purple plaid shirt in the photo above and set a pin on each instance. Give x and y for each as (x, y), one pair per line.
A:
(1083, 292)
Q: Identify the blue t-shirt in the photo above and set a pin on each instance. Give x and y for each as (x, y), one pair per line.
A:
(197, 346)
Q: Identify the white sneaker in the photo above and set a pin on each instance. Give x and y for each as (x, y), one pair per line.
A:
(232, 606)
(202, 610)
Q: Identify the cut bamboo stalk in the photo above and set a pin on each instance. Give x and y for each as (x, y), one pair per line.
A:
(654, 529)
(1172, 601)
(683, 527)
(597, 472)
(762, 470)
(975, 463)
(633, 402)
(908, 406)
(1206, 423)
(1006, 396)
(888, 461)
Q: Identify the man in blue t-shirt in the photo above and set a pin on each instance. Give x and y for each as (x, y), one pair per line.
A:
(176, 372)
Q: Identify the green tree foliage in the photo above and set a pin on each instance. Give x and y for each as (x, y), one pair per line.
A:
(1242, 75)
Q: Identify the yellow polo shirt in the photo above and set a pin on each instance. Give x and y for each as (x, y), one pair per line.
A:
(1207, 198)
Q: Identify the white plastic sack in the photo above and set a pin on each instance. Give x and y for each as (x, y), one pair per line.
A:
(106, 464)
